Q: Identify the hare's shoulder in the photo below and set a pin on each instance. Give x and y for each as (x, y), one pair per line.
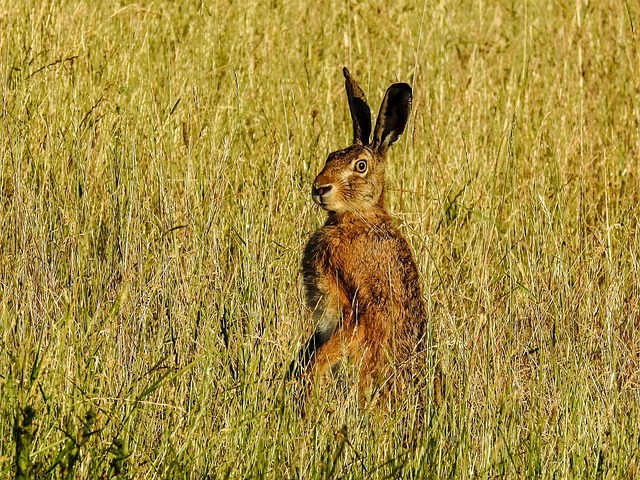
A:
(353, 245)
(383, 237)
(348, 234)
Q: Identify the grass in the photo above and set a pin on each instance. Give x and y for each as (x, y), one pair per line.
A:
(155, 167)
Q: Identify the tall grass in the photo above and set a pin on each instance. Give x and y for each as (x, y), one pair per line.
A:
(155, 166)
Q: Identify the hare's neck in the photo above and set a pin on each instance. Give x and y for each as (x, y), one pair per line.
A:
(375, 215)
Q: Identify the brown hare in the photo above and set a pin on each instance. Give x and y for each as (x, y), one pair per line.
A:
(359, 274)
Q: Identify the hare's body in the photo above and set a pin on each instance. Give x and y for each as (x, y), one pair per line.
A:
(362, 286)
(360, 277)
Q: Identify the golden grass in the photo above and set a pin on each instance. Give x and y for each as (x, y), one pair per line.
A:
(155, 168)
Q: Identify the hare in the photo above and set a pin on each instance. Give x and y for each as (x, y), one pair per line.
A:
(360, 278)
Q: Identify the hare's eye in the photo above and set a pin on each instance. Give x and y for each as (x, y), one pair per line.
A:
(361, 166)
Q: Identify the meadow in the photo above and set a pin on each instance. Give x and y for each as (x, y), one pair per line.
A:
(156, 161)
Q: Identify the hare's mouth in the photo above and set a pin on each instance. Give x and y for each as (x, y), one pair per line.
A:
(321, 195)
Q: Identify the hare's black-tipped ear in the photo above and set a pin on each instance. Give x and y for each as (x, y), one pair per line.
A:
(360, 111)
(393, 116)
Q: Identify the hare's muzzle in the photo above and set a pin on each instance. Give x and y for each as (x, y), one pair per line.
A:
(318, 192)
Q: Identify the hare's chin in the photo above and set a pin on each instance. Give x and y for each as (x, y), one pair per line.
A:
(318, 200)
(326, 203)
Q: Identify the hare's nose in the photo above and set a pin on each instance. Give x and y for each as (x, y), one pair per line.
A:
(322, 190)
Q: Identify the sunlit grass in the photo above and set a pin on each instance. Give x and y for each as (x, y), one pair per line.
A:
(155, 168)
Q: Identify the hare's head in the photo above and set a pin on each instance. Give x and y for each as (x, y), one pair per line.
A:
(353, 179)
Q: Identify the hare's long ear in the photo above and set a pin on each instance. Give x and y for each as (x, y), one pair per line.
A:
(360, 111)
(393, 116)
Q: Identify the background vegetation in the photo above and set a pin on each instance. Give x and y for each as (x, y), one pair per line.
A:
(155, 168)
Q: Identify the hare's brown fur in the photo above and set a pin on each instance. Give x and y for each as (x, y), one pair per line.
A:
(360, 277)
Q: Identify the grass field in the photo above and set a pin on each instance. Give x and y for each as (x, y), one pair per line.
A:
(155, 168)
